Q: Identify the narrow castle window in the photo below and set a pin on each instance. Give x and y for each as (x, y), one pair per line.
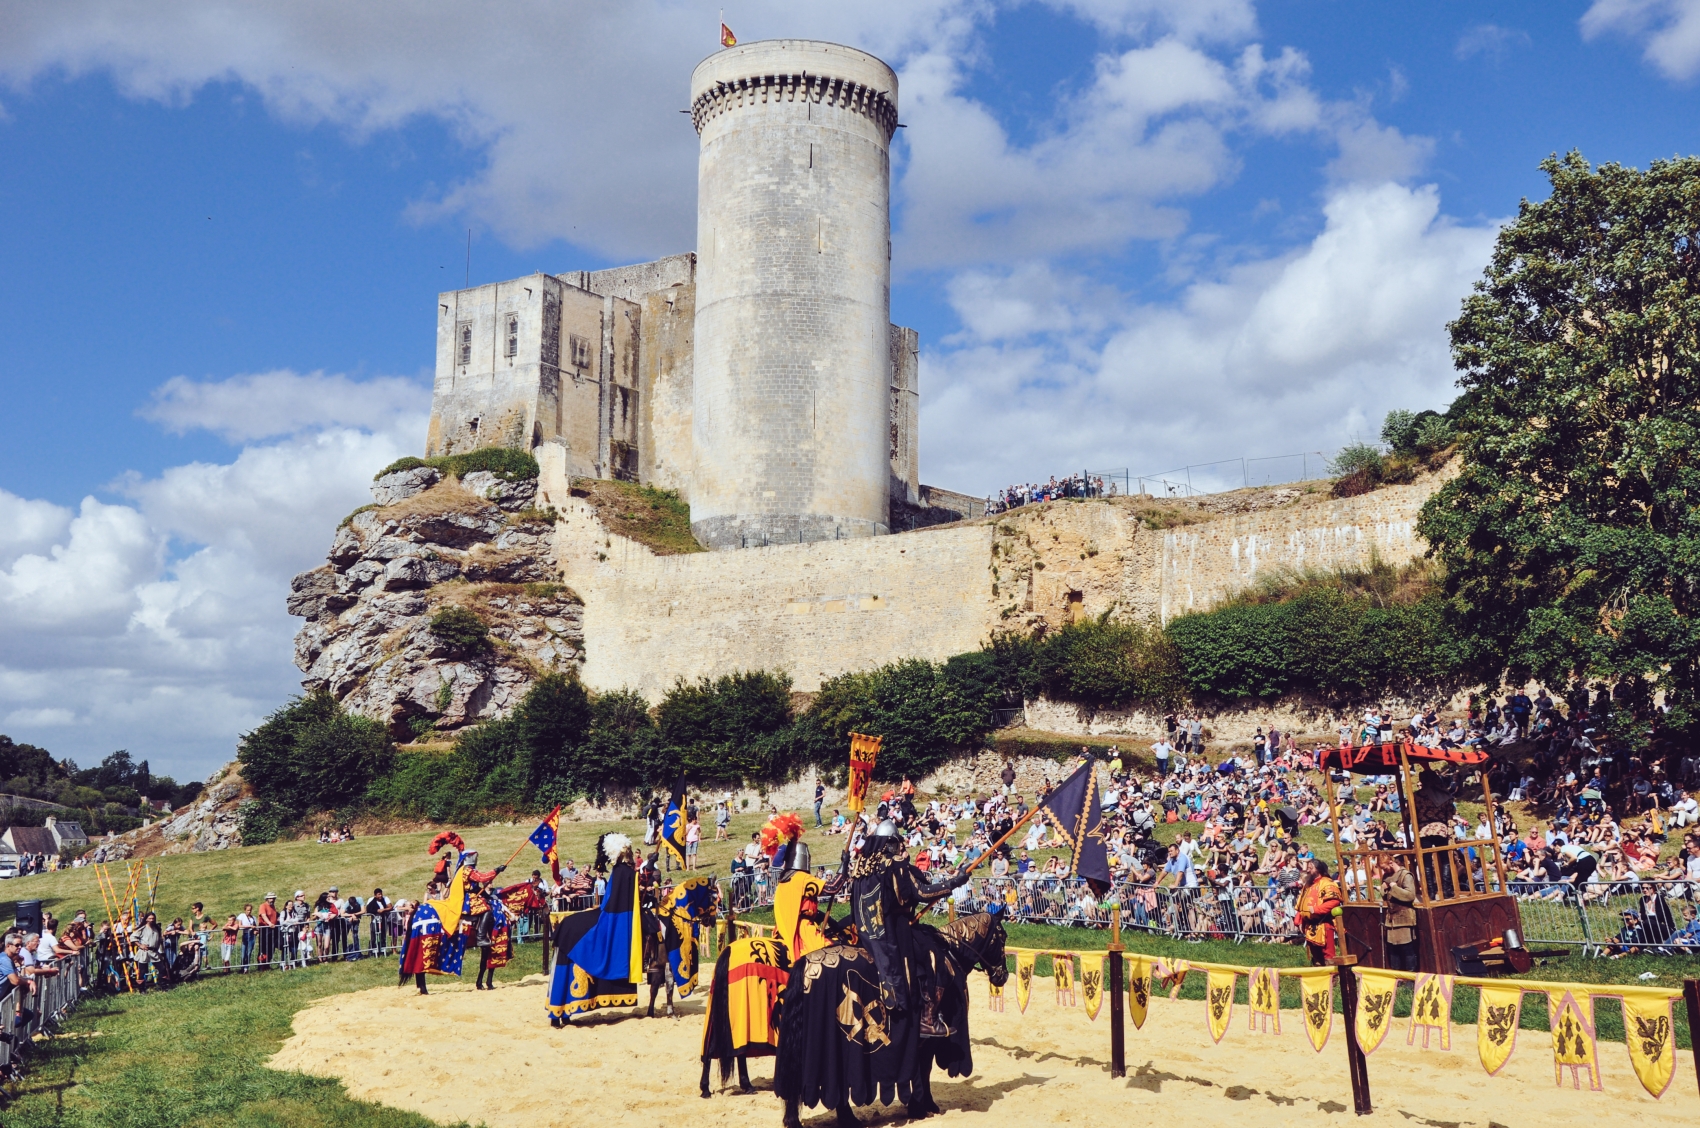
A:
(580, 350)
(464, 336)
(513, 334)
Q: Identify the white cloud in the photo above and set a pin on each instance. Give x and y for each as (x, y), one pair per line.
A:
(1668, 29)
(158, 625)
(263, 404)
(1191, 20)
(28, 526)
(574, 107)
(1303, 351)
(1155, 125)
(1490, 40)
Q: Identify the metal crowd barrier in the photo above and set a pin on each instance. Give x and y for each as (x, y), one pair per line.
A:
(1591, 917)
(51, 1000)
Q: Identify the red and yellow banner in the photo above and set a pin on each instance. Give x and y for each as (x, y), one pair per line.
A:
(864, 753)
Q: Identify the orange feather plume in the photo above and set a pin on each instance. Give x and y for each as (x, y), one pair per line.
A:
(779, 830)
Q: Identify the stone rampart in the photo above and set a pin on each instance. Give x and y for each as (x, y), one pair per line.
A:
(823, 608)
(813, 610)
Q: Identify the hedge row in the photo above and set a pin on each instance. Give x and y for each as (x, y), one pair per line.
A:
(561, 743)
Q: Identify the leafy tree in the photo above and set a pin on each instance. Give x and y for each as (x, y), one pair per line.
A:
(724, 729)
(312, 755)
(1570, 537)
(1100, 662)
(553, 720)
(926, 712)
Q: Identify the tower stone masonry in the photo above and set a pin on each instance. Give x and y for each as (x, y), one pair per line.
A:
(792, 390)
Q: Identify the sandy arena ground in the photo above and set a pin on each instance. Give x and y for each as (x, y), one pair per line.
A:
(492, 1057)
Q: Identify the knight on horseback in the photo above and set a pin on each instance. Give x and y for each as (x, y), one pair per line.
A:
(886, 893)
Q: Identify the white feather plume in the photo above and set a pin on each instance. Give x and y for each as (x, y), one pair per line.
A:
(613, 842)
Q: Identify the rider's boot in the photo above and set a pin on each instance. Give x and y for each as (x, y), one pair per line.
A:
(931, 1025)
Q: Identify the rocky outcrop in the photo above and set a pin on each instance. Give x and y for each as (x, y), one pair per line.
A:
(435, 542)
(211, 822)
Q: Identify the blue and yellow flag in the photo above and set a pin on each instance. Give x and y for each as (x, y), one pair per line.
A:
(545, 837)
(673, 826)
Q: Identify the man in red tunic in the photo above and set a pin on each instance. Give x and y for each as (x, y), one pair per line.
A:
(1316, 907)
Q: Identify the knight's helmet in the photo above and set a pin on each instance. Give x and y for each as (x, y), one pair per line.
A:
(798, 858)
(886, 839)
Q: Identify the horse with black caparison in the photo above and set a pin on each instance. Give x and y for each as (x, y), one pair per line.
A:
(839, 1046)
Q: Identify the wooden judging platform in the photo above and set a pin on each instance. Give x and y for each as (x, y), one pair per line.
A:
(1441, 926)
(1461, 898)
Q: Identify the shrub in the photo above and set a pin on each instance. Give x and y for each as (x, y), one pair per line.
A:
(553, 720)
(722, 730)
(460, 628)
(506, 463)
(1100, 662)
(925, 712)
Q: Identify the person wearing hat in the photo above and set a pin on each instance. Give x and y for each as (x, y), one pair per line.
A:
(266, 919)
(885, 891)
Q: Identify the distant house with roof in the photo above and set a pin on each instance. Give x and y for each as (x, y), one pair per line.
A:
(68, 835)
(28, 840)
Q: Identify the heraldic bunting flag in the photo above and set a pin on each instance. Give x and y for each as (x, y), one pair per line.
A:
(673, 824)
(1075, 806)
(544, 838)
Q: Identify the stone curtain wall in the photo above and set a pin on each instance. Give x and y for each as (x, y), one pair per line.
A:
(824, 608)
(814, 610)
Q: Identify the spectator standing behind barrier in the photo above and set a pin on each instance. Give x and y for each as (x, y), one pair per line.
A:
(352, 911)
(289, 922)
(266, 919)
(246, 924)
(377, 916)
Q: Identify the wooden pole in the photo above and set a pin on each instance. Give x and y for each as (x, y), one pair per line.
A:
(1118, 1037)
(1691, 999)
(1409, 800)
(1493, 833)
(1357, 1065)
(992, 851)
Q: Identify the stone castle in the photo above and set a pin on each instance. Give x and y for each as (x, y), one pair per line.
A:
(761, 376)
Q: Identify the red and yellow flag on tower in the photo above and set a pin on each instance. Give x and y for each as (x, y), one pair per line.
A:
(727, 39)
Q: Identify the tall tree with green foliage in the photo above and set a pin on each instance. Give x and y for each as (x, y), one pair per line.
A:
(309, 755)
(1570, 537)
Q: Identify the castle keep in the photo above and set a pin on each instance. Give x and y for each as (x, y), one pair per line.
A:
(761, 376)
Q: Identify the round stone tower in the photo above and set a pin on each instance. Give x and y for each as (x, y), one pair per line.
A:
(791, 395)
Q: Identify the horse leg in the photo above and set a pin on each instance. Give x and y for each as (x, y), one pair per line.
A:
(744, 1085)
(792, 1119)
(653, 991)
(921, 1103)
(846, 1118)
(705, 1078)
(670, 1012)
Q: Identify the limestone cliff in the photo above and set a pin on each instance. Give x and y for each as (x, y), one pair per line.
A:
(432, 542)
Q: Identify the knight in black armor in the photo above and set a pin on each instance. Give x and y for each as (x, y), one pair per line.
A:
(886, 890)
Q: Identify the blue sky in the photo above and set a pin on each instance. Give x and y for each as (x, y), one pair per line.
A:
(1136, 233)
